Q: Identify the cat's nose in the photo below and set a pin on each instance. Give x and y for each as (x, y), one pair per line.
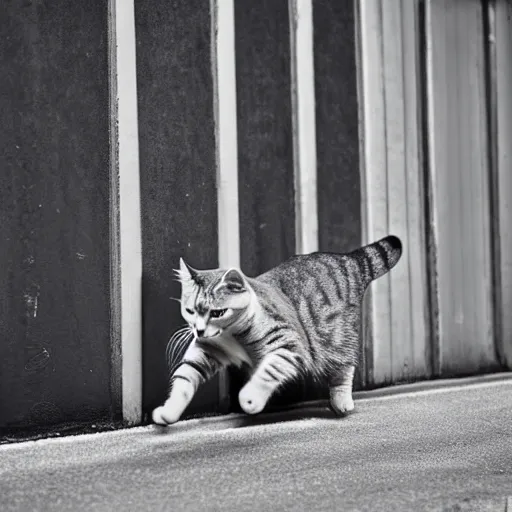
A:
(200, 332)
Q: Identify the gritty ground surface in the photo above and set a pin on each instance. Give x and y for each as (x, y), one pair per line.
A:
(448, 450)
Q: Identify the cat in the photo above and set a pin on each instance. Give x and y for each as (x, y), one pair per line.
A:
(300, 318)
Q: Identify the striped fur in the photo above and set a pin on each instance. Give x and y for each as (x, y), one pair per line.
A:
(301, 318)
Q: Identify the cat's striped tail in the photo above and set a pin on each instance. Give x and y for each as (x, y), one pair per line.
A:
(377, 258)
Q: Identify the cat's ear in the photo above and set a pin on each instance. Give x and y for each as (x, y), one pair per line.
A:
(234, 280)
(186, 271)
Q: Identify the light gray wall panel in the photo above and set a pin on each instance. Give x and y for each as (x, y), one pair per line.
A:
(459, 168)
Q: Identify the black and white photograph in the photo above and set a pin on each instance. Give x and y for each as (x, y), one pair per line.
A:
(256, 255)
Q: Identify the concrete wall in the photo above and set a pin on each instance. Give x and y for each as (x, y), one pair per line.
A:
(54, 207)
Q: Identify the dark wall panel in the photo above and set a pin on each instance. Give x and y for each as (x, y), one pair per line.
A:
(265, 143)
(54, 208)
(265, 147)
(339, 185)
(337, 131)
(178, 171)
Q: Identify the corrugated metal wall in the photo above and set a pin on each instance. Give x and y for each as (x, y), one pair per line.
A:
(433, 158)
(397, 334)
(406, 86)
(410, 136)
(459, 173)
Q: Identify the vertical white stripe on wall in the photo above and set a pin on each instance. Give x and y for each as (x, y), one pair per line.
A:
(130, 250)
(391, 183)
(223, 50)
(224, 74)
(374, 180)
(304, 125)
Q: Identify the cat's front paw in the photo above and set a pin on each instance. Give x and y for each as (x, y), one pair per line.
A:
(341, 403)
(252, 400)
(165, 415)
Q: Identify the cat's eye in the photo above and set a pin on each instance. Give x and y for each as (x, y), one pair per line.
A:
(217, 313)
(189, 311)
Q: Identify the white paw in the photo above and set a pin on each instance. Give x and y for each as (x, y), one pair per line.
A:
(165, 416)
(252, 400)
(342, 403)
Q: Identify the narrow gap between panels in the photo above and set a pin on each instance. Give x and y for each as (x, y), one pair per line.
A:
(431, 245)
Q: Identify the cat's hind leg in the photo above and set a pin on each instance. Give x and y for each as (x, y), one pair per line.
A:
(276, 368)
(340, 390)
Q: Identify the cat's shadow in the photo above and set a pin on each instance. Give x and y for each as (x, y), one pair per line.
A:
(282, 416)
(240, 420)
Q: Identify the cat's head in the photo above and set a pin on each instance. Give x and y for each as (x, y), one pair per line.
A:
(212, 301)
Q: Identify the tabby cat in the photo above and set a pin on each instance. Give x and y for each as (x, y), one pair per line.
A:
(300, 318)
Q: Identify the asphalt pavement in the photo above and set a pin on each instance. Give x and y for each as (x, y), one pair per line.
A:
(446, 449)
